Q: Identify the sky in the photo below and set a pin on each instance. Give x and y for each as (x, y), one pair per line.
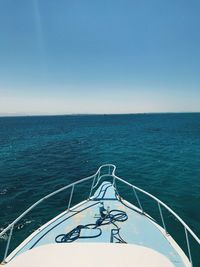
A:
(108, 56)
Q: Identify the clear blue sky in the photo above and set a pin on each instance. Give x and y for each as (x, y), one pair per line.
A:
(105, 56)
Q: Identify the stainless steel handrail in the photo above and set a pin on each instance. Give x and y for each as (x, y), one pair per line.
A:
(41, 200)
(163, 204)
(160, 203)
(72, 185)
(52, 194)
(96, 179)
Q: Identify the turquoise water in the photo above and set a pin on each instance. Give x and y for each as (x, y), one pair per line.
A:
(158, 152)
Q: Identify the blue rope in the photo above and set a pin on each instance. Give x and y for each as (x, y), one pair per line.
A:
(111, 217)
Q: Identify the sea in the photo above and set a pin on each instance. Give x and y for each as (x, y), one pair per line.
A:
(159, 153)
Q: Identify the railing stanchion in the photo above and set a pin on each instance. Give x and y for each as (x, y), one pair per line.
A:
(114, 182)
(92, 186)
(138, 200)
(70, 199)
(161, 216)
(188, 245)
(8, 243)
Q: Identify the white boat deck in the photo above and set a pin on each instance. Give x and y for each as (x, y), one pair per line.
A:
(91, 255)
(139, 229)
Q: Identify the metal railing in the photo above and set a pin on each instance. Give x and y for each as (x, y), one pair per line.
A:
(107, 170)
(161, 204)
(95, 177)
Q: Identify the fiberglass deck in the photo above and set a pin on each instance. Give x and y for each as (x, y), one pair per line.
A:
(138, 229)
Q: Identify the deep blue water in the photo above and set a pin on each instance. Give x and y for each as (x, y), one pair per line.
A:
(158, 152)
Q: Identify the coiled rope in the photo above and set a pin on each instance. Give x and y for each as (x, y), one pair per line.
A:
(112, 217)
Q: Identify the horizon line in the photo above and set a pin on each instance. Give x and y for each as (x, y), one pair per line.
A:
(95, 114)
